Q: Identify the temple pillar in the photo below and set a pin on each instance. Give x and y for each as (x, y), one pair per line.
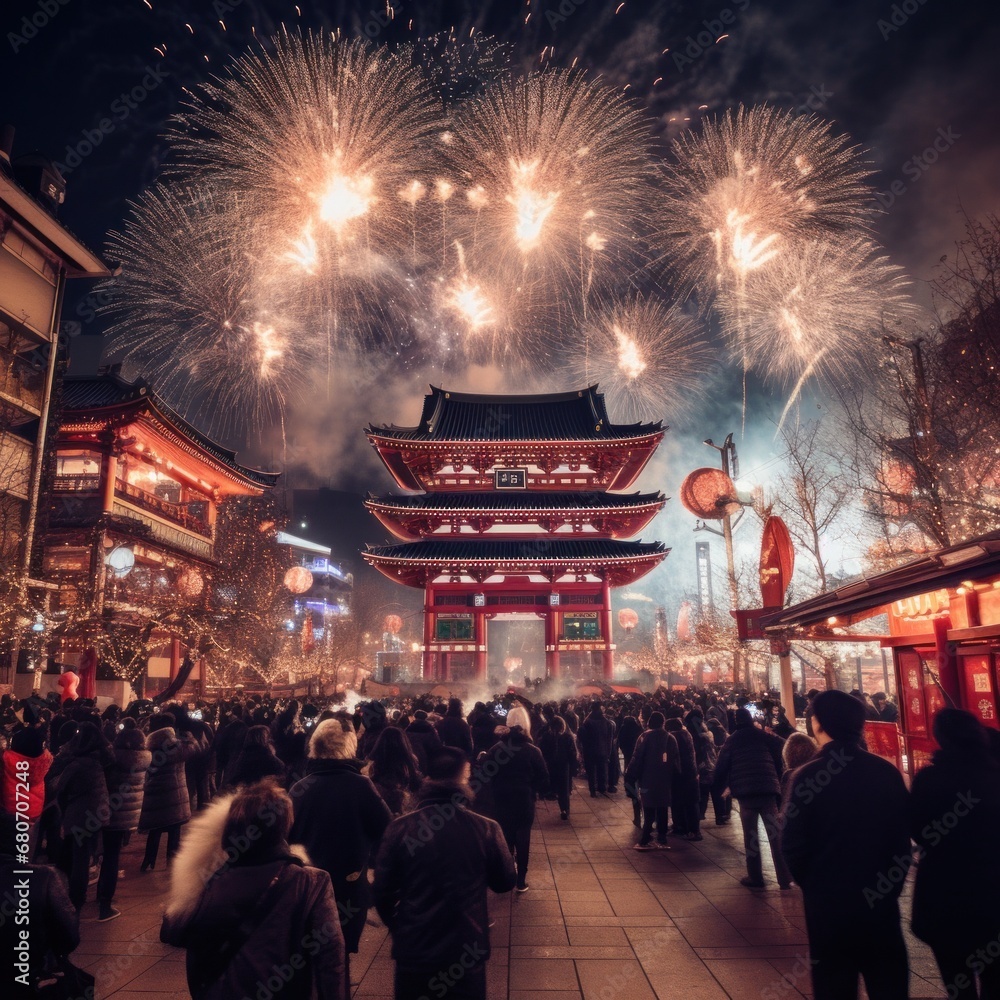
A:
(481, 651)
(446, 666)
(109, 473)
(427, 659)
(607, 654)
(552, 665)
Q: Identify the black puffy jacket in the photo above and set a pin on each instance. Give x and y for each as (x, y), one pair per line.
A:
(431, 877)
(750, 763)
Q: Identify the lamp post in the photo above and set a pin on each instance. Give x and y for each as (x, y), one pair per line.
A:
(731, 467)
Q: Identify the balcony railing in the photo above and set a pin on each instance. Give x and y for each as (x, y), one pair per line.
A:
(77, 482)
(21, 381)
(164, 508)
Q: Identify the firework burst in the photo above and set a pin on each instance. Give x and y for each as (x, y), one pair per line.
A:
(741, 194)
(647, 356)
(819, 311)
(555, 172)
(193, 315)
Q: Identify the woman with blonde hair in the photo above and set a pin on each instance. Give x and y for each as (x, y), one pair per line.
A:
(340, 818)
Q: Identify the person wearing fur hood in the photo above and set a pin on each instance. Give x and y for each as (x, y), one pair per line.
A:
(339, 819)
(166, 805)
(249, 909)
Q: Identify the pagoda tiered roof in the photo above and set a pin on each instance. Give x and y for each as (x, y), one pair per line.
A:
(557, 441)
(414, 563)
(566, 416)
(516, 512)
(510, 500)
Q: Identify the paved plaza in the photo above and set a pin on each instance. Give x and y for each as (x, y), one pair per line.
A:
(600, 922)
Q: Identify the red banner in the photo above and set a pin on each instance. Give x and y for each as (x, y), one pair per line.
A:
(883, 741)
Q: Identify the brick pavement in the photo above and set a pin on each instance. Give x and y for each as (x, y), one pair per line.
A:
(600, 922)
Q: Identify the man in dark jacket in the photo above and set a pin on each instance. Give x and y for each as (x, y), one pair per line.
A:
(685, 799)
(845, 839)
(431, 877)
(454, 730)
(749, 766)
(597, 737)
(652, 768)
(423, 738)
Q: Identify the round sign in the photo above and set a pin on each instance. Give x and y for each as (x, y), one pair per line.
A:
(121, 561)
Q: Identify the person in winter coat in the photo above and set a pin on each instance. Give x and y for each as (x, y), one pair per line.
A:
(481, 724)
(432, 897)
(374, 720)
(717, 711)
(749, 766)
(559, 751)
(166, 805)
(651, 770)
(520, 776)
(706, 756)
(26, 758)
(126, 780)
(597, 737)
(954, 818)
(684, 803)
(423, 738)
(255, 761)
(78, 779)
(629, 731)
(248, 908)
(340, 819)
(799, 749)
(393, 768)
(845, 827)
(52, 920)
(454, 730)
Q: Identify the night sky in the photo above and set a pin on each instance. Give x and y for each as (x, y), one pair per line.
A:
(898, 77)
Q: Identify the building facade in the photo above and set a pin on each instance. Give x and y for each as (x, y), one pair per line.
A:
(131, 515)
(517, 518)
(38, 255)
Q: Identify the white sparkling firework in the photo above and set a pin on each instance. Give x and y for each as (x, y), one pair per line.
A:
(648, 357)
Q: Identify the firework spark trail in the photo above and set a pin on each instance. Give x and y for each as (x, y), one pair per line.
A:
(648, 357)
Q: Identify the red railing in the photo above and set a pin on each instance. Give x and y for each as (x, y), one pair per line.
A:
(155, 505)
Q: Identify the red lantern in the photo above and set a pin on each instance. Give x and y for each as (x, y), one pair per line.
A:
(298, 579)
(190, 583)
(628, 619)
(393, 624)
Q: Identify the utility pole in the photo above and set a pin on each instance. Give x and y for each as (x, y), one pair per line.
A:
(731, 467)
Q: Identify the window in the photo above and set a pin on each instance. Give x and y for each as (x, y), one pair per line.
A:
(582, 626)
(453, 628)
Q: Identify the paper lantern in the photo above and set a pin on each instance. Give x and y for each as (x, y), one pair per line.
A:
(628, 619)
(298, 579)
(121, 561)
(393, 624)
(190, 583)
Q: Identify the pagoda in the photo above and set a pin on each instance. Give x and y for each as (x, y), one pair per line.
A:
(516, 516)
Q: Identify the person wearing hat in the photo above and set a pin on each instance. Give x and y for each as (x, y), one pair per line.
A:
(432, 874)
(846, 841)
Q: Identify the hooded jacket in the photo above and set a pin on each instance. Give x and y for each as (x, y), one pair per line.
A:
(13, 775)
(126, 784)
(653, 766)
(166, 801)
(431, 877)
(207, 903)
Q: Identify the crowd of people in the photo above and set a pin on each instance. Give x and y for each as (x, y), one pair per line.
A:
(286, 822)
